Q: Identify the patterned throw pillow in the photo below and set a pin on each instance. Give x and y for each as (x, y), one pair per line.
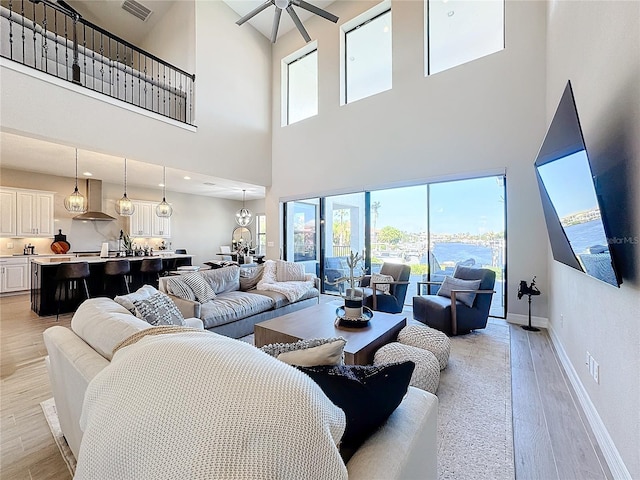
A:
(177, 287)
(367, 394)
(381, 287)
(307, 353)
(127, 300)
(452, 283)
(201, 289)
(159, 309)
(289, 271)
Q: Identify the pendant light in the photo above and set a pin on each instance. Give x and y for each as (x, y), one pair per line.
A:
(163, 209)
(124, 206)
(243, 216)
(76, 202)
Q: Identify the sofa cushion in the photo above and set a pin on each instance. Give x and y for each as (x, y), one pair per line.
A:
(127, 300)
(201, 288)
(176, 286)
(103, 323)
(249, 277)
(280, 300)
(223, 280)
(289, 271)
(366, 394)
(159, 309)
(230, 306)
(309, 353)
(452, 283)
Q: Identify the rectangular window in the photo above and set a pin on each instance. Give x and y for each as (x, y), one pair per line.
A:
(368, 59)
(261, 234)
(302, 87)
(459, 31)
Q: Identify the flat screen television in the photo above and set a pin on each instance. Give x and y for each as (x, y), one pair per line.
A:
(577, 230)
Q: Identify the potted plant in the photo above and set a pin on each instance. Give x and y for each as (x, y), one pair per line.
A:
(353, 297)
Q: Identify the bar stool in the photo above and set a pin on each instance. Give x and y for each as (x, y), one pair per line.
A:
(118, 268)
(68, 274)
(151, 266)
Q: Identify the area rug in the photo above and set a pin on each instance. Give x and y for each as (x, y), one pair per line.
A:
(475, 435)
(50, 413)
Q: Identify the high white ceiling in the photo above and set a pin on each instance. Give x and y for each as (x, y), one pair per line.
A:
(32, 155)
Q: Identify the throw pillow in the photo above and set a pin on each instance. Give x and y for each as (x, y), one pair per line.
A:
(127, 300)
(249, 279)
(289, 271)
(366, 394)
(159, 309)
(317, 351)
(177, 287)
(381, 287)
(201, 289)
(452, 283)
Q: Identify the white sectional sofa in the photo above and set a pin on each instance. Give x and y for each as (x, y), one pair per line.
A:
(404, 447)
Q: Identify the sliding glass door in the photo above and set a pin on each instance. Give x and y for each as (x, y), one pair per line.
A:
(467, 227)
(344, 232)
(432, 227)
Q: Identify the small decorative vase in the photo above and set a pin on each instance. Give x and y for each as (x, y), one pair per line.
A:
(353, 307)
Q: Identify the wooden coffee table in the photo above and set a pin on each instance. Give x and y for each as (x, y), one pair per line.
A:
(319, 322)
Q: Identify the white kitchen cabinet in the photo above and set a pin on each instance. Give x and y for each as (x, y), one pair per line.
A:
(7, 213)
(145, 223)
(14, 274)
(34, 217)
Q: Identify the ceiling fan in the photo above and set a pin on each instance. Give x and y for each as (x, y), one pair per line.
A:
(288, 6)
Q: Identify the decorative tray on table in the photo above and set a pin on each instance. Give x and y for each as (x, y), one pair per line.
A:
(343, 321)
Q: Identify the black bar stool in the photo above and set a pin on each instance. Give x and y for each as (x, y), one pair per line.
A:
(68, 274)
(151, 266)
(118, 268)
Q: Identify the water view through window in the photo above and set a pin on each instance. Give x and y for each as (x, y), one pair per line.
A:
(433, 228)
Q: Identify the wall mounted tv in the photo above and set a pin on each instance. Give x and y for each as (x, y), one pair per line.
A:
(576, 228)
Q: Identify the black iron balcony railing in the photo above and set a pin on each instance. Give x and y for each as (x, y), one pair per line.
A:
(55, 39)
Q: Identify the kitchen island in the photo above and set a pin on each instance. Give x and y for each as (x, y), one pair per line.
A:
(44, 300)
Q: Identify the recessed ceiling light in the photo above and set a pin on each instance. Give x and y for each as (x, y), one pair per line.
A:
(88, 174)
(161, 184)
(187, 178)
(386, 29)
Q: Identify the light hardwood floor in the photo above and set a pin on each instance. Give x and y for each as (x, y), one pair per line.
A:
(551, 437)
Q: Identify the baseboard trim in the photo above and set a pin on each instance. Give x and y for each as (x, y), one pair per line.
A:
(519, 319)
(609, 450)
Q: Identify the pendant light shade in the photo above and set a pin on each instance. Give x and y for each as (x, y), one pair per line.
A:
(244, 216)
(76, 202)
(124, 206)
(163, 209)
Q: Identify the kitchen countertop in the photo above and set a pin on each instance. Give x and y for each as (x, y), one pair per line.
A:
(58, 259)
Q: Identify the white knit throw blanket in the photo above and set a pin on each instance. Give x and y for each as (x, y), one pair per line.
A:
(292, 290)
(198, 405)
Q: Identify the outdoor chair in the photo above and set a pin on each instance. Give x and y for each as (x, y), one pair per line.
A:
(451, 315)
(391, 302)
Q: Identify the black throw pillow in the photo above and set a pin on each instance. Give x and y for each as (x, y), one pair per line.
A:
(366, 394)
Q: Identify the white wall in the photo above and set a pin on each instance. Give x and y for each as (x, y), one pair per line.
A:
(233, 106)
(480, 116)
(199, 224)
(596, 45)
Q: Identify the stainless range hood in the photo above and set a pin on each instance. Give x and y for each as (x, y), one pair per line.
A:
(94, 197)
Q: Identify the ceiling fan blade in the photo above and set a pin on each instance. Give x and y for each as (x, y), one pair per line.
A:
(313, 9)
(276, 24)
(296, 20)
(254, 12)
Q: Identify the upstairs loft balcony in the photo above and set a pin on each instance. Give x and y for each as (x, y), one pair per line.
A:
(53, 38)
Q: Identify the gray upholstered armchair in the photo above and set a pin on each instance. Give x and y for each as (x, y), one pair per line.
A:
(393, 301)
(451, 315)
